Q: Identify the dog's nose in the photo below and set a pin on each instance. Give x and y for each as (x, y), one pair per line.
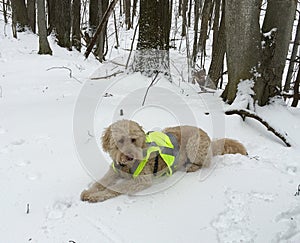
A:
(129, 157)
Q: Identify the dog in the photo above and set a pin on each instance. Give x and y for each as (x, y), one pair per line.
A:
(126, 143)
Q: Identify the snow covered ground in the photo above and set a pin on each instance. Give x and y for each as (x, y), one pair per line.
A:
(51, 122)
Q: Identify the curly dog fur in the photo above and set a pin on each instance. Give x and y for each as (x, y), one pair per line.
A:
(124, 140)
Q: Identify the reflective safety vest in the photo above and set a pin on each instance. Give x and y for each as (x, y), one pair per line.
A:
(165, 145)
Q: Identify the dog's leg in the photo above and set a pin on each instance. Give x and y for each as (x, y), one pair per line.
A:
(108, 179)
(125, 187)
(198, 152)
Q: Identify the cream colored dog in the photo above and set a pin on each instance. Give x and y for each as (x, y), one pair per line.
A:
(125, 141)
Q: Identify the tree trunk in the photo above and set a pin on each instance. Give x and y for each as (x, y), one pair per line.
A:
(63, 23)
(134, 6)
(190, 13)
(184, 19)
(100, 27)
(4, 7)
(31, 10)
(93, 17)
(293, 59)
(280, 23)
(14, 18)
(296, 96)
(206, 17)
(51, 15)
(20, 11)
(99, 52)
(218, 48)
(44, 47)
(196, 23)
(152, 53)
(243, 43)
(76, 37)
(127, 6)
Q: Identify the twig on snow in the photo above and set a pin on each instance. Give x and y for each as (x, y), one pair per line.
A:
(27, 208)
(108, 76)
(70, 72)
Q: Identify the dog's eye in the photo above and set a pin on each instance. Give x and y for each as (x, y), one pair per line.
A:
(133, 140)
(121, 140)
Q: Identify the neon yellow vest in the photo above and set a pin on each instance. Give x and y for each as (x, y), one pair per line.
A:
(167, 147)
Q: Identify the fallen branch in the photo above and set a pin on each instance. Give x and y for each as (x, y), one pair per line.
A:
(244, 114)
(70, 72)
(108, 76)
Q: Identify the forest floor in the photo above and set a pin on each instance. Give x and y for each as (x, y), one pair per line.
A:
(52, 115)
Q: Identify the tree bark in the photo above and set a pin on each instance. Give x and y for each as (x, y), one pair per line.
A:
(31, 10)
(152, 53)
(243, 42)
(99, 51)
(184, 18)
(296, 95)
(218, 49)
(196, 23)
(293, 59)
(127, 6)
(93, 15)
(44, 47)
(206, 17)
(76, 36)
(20, 12)
(51, 15)
(4, 7)
(280, 23)
(63, 23)
(100, 27)
(134, 6)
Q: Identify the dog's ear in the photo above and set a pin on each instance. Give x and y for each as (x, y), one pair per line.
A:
(106, 139)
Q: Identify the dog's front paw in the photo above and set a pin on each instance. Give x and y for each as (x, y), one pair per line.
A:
(93, 197)
(85, 195)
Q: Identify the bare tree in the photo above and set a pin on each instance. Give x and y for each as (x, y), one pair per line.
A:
(63, 23)
(296, 95)
(205, 18)
(44, 47)
(152, 53)
(243, 44)
(31, 11)
(4, 7)
(184, 17)
(76, 33)
(196, 23)
(127, 8)
(51, 15)
(19, 12)
(218, 47)
(277, 27)
(293, 59)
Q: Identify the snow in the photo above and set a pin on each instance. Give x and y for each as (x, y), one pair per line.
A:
(50, 127)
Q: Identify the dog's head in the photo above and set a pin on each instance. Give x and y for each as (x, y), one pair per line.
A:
(124, 140)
